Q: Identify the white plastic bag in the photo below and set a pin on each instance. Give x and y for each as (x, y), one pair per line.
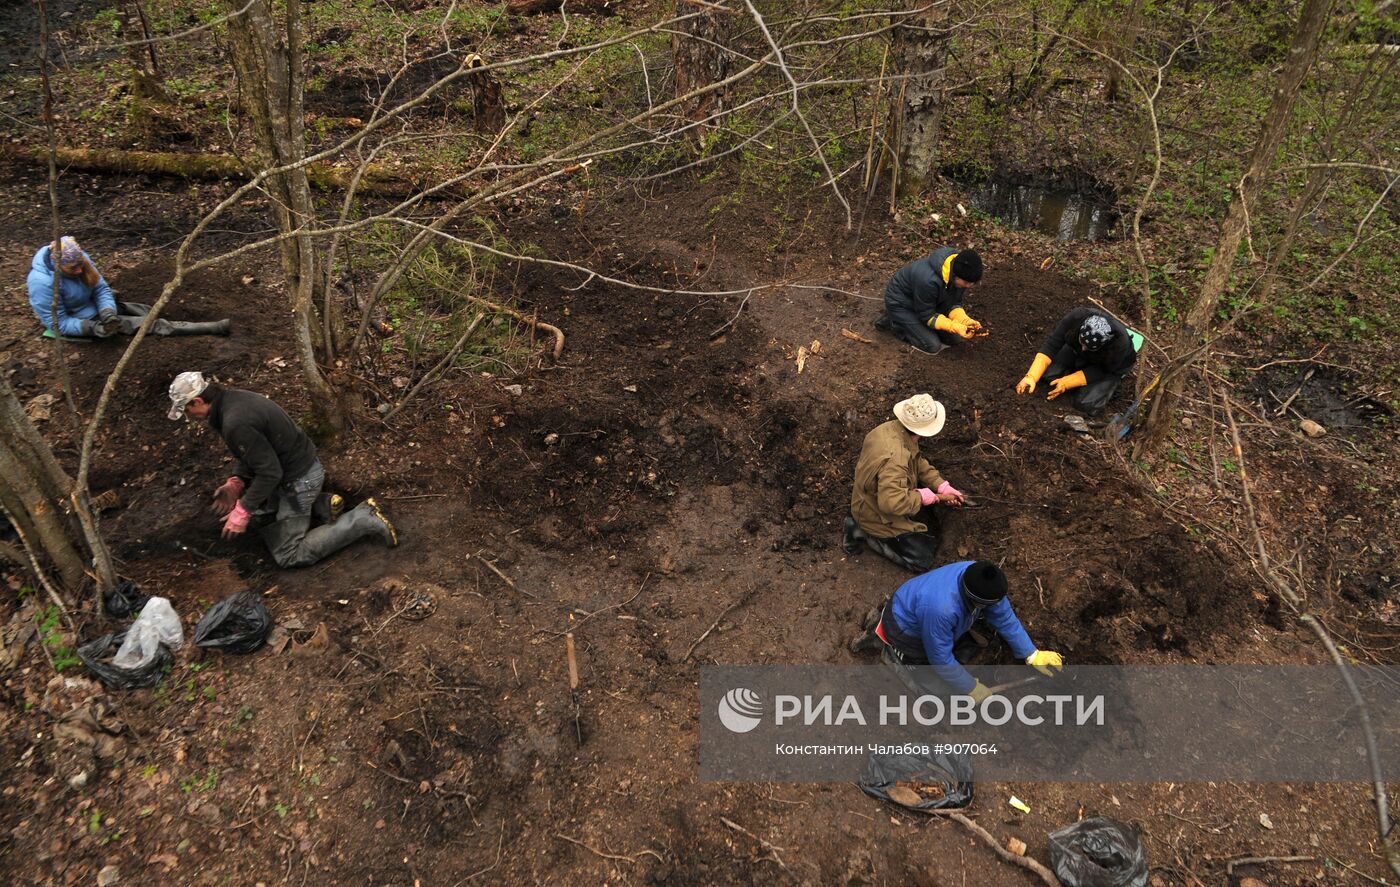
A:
(157, 624)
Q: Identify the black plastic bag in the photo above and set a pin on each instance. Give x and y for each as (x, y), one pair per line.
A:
(1098, 852)
(239, 624)
(114, 676)
(124, 601)
(952, 772)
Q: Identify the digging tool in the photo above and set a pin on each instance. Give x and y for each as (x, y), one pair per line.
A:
(199, 554)
(1011, 685)
(1121, 423)
(573, 680)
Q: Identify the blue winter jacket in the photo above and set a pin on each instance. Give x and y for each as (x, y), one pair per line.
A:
(932, 607)
(76, 300)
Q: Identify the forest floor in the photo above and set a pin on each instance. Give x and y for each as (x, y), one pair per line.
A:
(674, 472)
(690, 471)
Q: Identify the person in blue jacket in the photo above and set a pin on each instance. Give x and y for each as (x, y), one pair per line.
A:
(927, 615)
(86, 307)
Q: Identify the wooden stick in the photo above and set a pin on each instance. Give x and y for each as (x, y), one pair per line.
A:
(1024, 862)
(1258, 860)
(727, 610)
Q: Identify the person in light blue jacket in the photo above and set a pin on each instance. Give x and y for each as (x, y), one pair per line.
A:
(85, 306)
(927, 615)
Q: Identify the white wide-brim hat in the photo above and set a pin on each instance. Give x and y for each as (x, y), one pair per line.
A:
(921, 414)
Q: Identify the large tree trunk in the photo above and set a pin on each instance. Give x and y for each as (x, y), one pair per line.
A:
(33, 490)
(919, 51)
(269, 65)
(1196, 326)
(698, 58)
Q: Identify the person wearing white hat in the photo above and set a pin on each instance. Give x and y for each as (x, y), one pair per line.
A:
(277, 477)
(895, 488)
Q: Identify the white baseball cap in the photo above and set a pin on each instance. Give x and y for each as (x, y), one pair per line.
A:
(185, 388)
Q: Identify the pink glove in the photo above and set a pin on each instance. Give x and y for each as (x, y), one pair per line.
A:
(947, 489)
(926, 495)
(226, 496)
(237, 521)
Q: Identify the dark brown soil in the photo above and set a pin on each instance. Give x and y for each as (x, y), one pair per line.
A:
(631, 493)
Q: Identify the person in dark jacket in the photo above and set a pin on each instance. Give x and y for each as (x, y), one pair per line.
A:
(1088, 352)
(277, 477)
(924, 300)
(896, 488)
(927, 615)
(86, 307)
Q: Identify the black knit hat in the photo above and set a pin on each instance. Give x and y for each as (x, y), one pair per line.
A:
(968, 265)
(983, 583)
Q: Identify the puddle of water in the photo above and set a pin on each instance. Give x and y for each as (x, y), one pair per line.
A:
(1057, 211)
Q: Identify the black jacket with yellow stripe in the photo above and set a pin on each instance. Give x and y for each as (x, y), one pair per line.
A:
(920, 287)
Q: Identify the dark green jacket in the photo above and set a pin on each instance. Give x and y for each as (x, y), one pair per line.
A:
(270, 448)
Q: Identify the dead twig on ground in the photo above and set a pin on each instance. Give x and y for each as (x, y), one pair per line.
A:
(771, 848)
(596, 852)
(713, 625)
(504, 578)
(1024, 862)
(719, 330)
(500, 843)
(439, 368)
(1260, 860)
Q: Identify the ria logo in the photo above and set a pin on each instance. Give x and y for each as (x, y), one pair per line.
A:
(741, 710)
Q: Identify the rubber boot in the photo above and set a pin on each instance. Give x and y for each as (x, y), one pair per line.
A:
(867, 642)
(186, 328)
(358, 523)
(852, 540)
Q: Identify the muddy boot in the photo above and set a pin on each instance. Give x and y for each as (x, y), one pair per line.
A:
(383, 527)
(868, 642)
(185, 328)
(852, 540)
(320, 543)
(882, 323)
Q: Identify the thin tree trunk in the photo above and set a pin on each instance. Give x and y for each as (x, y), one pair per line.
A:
(919, 51)
(269, 65)
(1196, 326)
(698, 58)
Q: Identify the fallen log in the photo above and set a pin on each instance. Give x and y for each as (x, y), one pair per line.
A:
(526, 7)
(205, 167)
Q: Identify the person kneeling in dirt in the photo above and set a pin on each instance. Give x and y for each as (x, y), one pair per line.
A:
(86, 306)
(277, 477)
(924, 300)
(895, 488)
(922, 622)
(1087, 352)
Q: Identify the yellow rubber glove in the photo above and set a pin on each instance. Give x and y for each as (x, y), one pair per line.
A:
(944, 324)
(1032, 376)
(1044, 660)
(1065, 383)
(958, 315)
(979, 692)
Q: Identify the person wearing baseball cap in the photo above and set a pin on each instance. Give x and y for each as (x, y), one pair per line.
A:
(85, 306)
(895, 488)
(922, 622)
(1088, 352)
(924, 300)
(277, 477)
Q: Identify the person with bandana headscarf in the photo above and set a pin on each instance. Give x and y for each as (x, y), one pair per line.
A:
(85, 306)
(1088, 352)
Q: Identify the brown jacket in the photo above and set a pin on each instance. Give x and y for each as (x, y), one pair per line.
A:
(890, 468)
